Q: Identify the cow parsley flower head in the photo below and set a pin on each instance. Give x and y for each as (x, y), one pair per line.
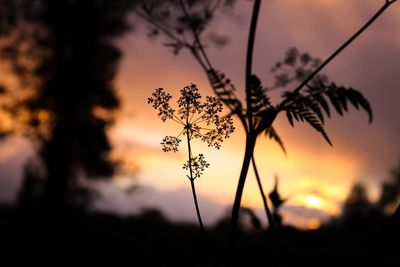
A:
(160, 100)
(198, 164)
(170, 143)
(199, 120)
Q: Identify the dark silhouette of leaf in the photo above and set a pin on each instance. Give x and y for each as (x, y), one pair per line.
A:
(277, 202)
(314, 106)
(357, 100)
(340, 96)
(275, 197)
(259, 100)
(301, 111)
(271, 133)
(224, 89)
(290, 117)
(315, 123)
(335, 101)
(310, 107)
(323, 103)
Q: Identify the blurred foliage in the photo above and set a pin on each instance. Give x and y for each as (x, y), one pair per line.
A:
(277, 202)
(390, 193)
(358, 208)
(64, 59)
(166, 17)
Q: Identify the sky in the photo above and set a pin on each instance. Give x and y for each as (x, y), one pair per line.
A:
(314, 177)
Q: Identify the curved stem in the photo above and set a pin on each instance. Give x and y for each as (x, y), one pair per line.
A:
(196, 204)
(192, 179)
(250, 137)
(271, 220)
(249, 61)
(250, 144)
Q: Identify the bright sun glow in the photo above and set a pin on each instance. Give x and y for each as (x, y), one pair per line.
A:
(314, 202)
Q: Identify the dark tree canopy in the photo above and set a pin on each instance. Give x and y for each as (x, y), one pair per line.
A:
(64, 56)
(390, 191)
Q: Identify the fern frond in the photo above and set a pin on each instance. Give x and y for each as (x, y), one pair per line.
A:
(309, 117)
(320, 99)
(312, 104)
(340, 97)
(259, 100)
(224, 89)
(358, 100)
(302, 111)
(332, 96)
(272, 134)
(289, 117)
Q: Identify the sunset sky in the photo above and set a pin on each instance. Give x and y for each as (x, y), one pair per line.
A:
(314, 177)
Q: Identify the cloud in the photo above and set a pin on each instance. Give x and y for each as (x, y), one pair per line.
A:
(304, 212)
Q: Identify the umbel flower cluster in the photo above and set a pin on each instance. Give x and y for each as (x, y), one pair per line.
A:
(199, 120)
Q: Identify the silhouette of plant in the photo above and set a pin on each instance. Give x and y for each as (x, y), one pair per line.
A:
(308, 102)
(277, 202)
(199, 120)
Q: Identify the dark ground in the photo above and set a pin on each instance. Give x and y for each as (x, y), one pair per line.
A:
(150, 240)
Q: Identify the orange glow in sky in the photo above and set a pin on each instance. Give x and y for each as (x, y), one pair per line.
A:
(314, 202)
(313, 175)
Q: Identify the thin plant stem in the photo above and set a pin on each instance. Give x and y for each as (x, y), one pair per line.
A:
(271, 220)
(197, 43)
(249, 62)
(196, 204)
(250, 144)
(159, 26)
(191, 176)
(177, 121)
(250, 138)
(180, 133)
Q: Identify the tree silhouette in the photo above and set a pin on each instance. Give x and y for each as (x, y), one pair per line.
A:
(357, 206)
(308, 102)
(63, 55)
(390, 192)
